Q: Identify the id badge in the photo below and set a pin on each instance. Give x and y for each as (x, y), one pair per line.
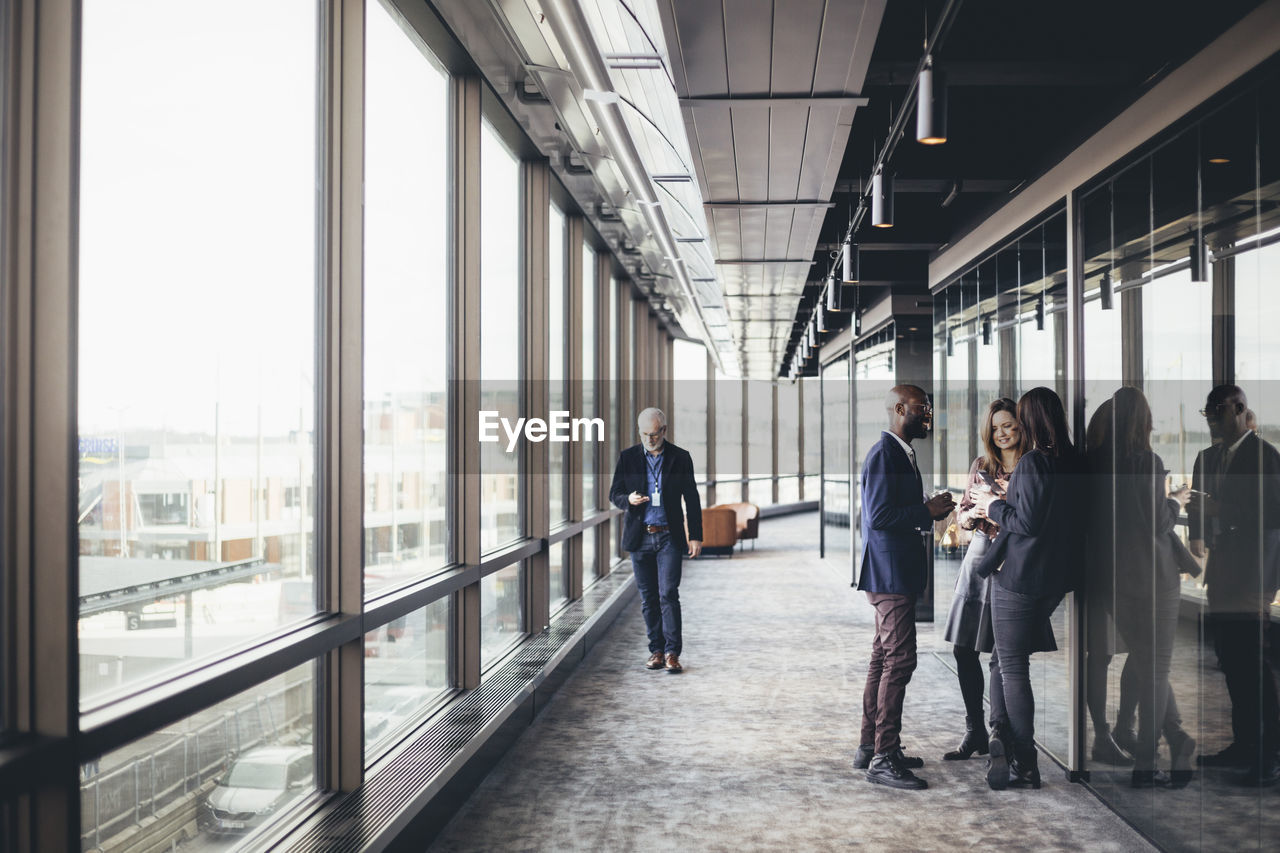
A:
(656, 498)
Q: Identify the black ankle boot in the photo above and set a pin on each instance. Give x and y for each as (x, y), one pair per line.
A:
(998, 762)
(1024, 769)
(1106, 750)
(975, 740)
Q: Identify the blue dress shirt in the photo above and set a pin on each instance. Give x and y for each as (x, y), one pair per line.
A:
(653, 479)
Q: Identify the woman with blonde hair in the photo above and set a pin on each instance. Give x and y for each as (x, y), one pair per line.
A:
(968, 626)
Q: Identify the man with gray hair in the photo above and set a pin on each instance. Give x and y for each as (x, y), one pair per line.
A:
(648, 483)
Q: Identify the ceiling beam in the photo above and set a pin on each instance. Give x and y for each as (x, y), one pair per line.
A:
(770, 205)
(1074, 74)
(826, 101)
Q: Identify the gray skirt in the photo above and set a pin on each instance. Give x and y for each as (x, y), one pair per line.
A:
(969, 621)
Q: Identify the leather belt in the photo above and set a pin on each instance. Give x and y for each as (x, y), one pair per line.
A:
(655, 528)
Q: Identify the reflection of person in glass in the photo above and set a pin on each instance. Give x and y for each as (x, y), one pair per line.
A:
(893, 572)
(1101, 641)
(1147, 585)
(648, 483)
(1236, 514)
(1034, 558)
(969, 621)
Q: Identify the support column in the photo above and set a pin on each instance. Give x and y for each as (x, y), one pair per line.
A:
(536, 176)
(464, 391)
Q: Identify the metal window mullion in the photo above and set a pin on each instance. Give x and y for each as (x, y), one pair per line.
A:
(603, 350)
(744, 448)
(711, 429)
(536, 482)
(1074, 377)
(340, 470)
(42, 165)
(773, 450)
(800, 438)
(573, 369)
(464, 371)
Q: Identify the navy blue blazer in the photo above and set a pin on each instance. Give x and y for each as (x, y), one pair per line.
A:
(1042, 521)
(894, 558)
(678, 481)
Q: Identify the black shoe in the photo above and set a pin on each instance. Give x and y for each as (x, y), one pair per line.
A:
(1107, 750)
(997, 766)
(1235, 755)
(975, 740)
(1024, 771)
(1150, 779)
(1181, 750)
(887, 768)
(862, 758)
(1263, 773)
(1125, 738)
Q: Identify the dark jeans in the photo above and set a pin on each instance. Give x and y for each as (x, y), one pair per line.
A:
(1019, 621)
(1148, 628)
(893, 659)
(1244, 655)
(656, 565)
(969, 671)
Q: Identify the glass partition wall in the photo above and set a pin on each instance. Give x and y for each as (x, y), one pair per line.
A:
(1000, 330)
(1180, 262)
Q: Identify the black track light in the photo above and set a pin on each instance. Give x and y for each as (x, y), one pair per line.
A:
(1040, 312)
(852, 262)
(986, 331)
(1199, 258)
(1106, 293)
(857, 324)
(882, 200)
(931, 106)
(951, 343)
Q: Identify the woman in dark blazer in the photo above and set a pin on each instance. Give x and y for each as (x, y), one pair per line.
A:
(1147, 588)
(968, 626)
(1035, 560)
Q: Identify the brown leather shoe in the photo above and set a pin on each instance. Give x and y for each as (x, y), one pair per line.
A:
(654, 662)
(673, 664)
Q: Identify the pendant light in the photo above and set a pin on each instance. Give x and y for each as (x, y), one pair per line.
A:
(986, 331)
(852, 262)
(1199, 258)
(931, 106)
(882, 200)
(1106, 293)
(1040, 312)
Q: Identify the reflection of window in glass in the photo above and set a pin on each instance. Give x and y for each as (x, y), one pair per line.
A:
(197, 242)
(788, 432)
(812, 433)
(501, 612)
(1102, 354)
(556, 371)
(238, 766)
(835, 444)
(500, 336)
(406, 671)
(1177, 367)
(590, 331)
(405, 295)
(1257, 317)
(959, 418)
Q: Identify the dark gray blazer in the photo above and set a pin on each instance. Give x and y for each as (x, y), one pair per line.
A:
(678, 481)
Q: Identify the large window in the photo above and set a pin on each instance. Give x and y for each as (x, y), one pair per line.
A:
(406, 671)
(728, 391)
(500, 336)
(836, 471)
(405, 306)
(689, 420)
(501, 612)
(759, 436)
(234, 768)
(197, 337)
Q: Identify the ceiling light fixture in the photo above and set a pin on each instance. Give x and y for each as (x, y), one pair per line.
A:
(1106, 293)
(882, 200)
(852, 261)
(931, 106)
(1040, 312)
(986, 331)
(1199, 255)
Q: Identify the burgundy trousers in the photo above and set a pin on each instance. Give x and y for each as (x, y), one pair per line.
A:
(893, 659)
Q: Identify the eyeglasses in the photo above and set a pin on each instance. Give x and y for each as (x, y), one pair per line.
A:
(660, 431)
(1210, 411)
(925, 407)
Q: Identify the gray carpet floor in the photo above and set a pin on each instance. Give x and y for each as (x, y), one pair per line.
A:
(750, 748)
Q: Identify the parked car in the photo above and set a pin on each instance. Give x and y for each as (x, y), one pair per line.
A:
(256, 785)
